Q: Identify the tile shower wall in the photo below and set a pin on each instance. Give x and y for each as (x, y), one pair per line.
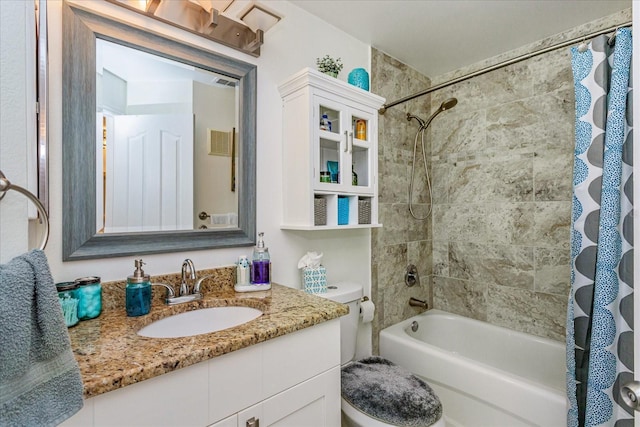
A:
(501, 165)
(402, 240)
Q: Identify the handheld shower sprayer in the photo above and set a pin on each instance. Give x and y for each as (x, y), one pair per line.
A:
(446, 105)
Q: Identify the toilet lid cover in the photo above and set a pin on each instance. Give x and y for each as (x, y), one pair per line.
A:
(390, 393)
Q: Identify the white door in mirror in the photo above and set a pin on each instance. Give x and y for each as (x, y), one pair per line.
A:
(203, 321)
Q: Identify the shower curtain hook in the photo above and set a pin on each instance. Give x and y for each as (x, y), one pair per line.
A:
(612, 37)
(582, 47)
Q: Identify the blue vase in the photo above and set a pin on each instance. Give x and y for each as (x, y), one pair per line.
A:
(359, 78)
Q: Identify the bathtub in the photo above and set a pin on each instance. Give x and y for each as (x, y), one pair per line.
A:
(485, 375)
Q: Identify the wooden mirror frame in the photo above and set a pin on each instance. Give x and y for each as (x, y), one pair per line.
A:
(81, 27)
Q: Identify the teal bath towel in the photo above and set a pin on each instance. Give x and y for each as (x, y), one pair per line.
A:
(40, 382)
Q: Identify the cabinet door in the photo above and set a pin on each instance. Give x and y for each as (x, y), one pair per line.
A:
(344, 139)
(360, 152)
(232, 421)
(330, 137)
(313, 403)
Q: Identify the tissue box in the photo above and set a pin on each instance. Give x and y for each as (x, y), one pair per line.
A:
(314, 280)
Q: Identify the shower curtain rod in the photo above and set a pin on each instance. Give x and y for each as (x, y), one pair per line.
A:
(485, 70)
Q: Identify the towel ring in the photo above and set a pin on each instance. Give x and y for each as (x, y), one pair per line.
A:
(6, 185)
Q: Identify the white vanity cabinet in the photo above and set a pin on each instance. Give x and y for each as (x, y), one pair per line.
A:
(330, 153)
(292, 380)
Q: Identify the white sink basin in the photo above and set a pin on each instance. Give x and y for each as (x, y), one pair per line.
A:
(199, 322)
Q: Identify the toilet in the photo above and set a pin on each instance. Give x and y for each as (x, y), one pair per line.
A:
(362, 407)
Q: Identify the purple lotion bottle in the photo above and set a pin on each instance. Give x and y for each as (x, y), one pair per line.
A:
(260, 263)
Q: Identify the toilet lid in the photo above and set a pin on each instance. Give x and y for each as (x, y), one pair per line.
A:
(390, 393)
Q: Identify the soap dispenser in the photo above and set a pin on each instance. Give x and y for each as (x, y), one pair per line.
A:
(138, 292)
(260, 264)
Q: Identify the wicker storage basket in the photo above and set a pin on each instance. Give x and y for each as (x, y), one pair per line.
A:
(364, 211)
(319, 211)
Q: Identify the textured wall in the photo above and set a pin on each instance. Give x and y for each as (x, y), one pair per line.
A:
(402, 239)
(502, 164)
(501, 161)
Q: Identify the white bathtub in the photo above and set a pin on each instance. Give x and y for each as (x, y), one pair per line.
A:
(485, 375)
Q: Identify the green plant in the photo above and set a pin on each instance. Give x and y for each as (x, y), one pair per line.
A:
(329, 65)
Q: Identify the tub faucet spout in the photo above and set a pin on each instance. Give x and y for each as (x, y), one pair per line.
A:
(415, 302)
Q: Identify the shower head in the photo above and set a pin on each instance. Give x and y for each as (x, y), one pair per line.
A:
(448, 103)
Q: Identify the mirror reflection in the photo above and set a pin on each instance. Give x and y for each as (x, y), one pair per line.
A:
(166, 146)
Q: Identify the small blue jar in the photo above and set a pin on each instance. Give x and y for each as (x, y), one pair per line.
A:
(89, 297)
(67, 295)
(360, 78)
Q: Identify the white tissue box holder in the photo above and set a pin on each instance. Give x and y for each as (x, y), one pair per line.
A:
(314, 280)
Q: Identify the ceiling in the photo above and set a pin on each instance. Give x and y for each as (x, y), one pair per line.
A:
(438, 36)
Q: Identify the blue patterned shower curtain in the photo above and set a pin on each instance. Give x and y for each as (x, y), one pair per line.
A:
(600, 311)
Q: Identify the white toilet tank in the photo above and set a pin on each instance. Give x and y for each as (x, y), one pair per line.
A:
(346, 293)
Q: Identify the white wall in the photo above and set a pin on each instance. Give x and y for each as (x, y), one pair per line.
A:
(15, 18)
(294, 43)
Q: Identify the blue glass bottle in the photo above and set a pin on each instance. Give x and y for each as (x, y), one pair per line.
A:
(89, 294)
(138, 292)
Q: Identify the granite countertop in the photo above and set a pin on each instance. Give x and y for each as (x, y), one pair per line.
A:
(111, 355)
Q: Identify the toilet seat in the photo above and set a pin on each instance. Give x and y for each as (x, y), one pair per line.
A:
(377, 393)
(360, 419)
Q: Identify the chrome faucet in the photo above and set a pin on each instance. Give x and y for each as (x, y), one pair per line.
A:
(186, 294)
(184, 286)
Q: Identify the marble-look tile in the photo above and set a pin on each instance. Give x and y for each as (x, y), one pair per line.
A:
(420, 184)
(537, 122)
(553, 176)
(440, 258)
(440, 229)
(394, 229)
(440, 172)
(462, 297)
(552, 224)
(385, 70)
(551, 72)
(495, 223)
(419, 253)
(503, 265)
(526, 311)
(393, 185)
(418, 227)
(394, 131)
(501, 86)
(458, 132)
(392, 262)
(488, 180)
(396, 301)
(552, 271)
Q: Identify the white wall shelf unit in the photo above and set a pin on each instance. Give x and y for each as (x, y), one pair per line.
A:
(330, 153)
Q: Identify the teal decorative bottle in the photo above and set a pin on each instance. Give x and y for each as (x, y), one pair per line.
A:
(359, 78)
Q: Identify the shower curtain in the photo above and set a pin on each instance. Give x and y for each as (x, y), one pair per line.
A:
(600, 311)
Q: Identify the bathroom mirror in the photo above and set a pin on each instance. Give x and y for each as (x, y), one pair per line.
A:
(144, 172)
